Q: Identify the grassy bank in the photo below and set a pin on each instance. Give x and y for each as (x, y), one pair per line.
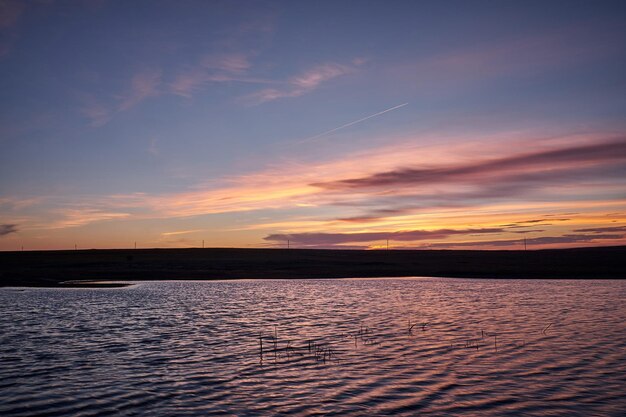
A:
(48, 268)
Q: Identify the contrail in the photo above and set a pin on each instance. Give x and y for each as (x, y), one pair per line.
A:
(352, 123)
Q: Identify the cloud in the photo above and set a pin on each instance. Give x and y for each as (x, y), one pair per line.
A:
(181, 232)
(288, 186)
(19, 204)
(502, 200)
(304, 82)
(602, 229)
(143, 85)
(549, 184)
(95, 111)
(319, 74)
(545, 160)
(73, 217)
(233, 63)
(153, 148)
(7, 229)
(571, 238)
(216, 68)
(410, 235)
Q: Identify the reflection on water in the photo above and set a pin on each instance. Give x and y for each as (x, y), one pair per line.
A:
(331, 347)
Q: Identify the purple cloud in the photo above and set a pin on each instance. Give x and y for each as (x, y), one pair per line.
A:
(7, 229)
(545, 240)
(602, 229)
(408, 235)
(604, 152)
(496, 187)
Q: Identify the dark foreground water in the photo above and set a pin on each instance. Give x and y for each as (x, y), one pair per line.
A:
(331, 347)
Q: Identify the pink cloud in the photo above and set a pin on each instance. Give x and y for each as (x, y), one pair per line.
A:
(317, 75)
(213, 68)
(404, 235)
(547, 162)
(95, 111)
(231, 63)
(567, 239)
(143, 85)
(305, 82)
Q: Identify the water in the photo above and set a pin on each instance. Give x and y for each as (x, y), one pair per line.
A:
(477, 347)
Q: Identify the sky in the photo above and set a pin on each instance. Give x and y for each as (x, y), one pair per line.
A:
(325, 124)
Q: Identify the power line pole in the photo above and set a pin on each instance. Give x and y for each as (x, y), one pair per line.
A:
(202, 243)
(287, 243)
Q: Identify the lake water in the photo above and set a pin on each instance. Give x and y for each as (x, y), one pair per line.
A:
(330, 347)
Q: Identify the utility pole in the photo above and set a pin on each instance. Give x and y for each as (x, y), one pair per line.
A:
(387, 244)
(287, 243)
(202, 243)
(135, 245)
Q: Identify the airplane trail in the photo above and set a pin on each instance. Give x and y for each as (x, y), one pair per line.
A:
(352, 123)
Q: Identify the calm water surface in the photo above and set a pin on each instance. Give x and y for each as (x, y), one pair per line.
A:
(330, 347)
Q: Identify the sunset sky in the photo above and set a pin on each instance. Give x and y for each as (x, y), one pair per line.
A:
(331, 124)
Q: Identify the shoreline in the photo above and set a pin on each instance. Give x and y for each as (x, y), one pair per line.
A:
(53, 268)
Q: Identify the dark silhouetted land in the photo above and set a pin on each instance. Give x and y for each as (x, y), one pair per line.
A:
(49, 268)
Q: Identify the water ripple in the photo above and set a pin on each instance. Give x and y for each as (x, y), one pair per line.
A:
(330, 347)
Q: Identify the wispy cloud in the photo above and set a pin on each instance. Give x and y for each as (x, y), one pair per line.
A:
(97, 113)
(315, 76)
(546, 160)
(18, 204)
(459, 193)
(424, 238)
(153, 148)
(409, 235)
(143, 85)
(614, 229)
(74, 217)
(398, 192)
(7, 229)
(181, 232)
(215, 68)
(304, 82)
(566, 239)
